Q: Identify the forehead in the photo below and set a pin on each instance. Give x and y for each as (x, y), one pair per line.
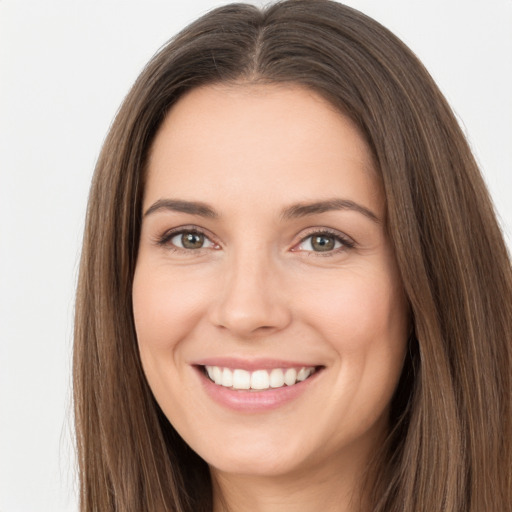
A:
(223, 141)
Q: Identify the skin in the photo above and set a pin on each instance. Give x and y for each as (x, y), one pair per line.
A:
(257, 288)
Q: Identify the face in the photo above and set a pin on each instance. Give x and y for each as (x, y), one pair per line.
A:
(269, 312)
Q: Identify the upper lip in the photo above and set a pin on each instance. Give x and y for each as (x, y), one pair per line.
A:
(251, 364)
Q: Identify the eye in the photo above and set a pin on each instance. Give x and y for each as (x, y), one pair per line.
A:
(187, 239)
(323, 242)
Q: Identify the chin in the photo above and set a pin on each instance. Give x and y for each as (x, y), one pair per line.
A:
(258, 464)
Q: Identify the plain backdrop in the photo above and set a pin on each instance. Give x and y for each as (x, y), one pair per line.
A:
(65, 66)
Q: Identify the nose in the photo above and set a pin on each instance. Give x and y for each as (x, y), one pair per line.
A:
(253, 300)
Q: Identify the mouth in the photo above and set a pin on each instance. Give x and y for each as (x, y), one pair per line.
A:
(260, 379)
(256, 385)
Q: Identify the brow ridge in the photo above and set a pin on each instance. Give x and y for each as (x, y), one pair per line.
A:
(178, 205)
(312, 208)
(294, 211)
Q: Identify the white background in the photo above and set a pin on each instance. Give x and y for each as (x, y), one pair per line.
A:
(65, 66)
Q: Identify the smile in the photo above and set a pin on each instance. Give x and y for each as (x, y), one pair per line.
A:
(258, 380)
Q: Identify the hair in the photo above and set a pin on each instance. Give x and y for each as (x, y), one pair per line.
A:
(450, 442)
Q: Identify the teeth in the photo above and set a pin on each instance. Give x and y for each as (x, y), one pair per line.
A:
(259, 379)
(303, 374)
(227, 377)
(217, 375)
(241, 379)
(277, 378)
(290, 377)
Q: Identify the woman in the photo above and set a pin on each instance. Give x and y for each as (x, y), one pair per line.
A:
(293, 293)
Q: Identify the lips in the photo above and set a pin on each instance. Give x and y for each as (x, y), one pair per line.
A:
(255, 385)
(257, 380)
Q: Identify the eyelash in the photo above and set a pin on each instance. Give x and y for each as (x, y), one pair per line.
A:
(346, 243)
(165, 239)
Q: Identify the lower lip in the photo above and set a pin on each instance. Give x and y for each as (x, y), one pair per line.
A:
(255, 401)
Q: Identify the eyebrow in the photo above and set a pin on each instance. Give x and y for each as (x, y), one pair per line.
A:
(313, 208)
(291, 212)
(177, 205)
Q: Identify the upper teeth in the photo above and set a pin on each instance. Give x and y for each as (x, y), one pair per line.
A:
(259, 379)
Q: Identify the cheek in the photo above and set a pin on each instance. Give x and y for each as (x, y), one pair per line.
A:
(357, 310)
(364, 319)
(165, 308)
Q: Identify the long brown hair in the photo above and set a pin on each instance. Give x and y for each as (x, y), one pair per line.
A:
(450, 444)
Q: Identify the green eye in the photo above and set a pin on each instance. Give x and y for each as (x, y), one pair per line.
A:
(188, 240)
(322, 243)
(192, 240)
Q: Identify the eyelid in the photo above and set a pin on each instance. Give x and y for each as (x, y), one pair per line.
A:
(346, 241)
(164, 239)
